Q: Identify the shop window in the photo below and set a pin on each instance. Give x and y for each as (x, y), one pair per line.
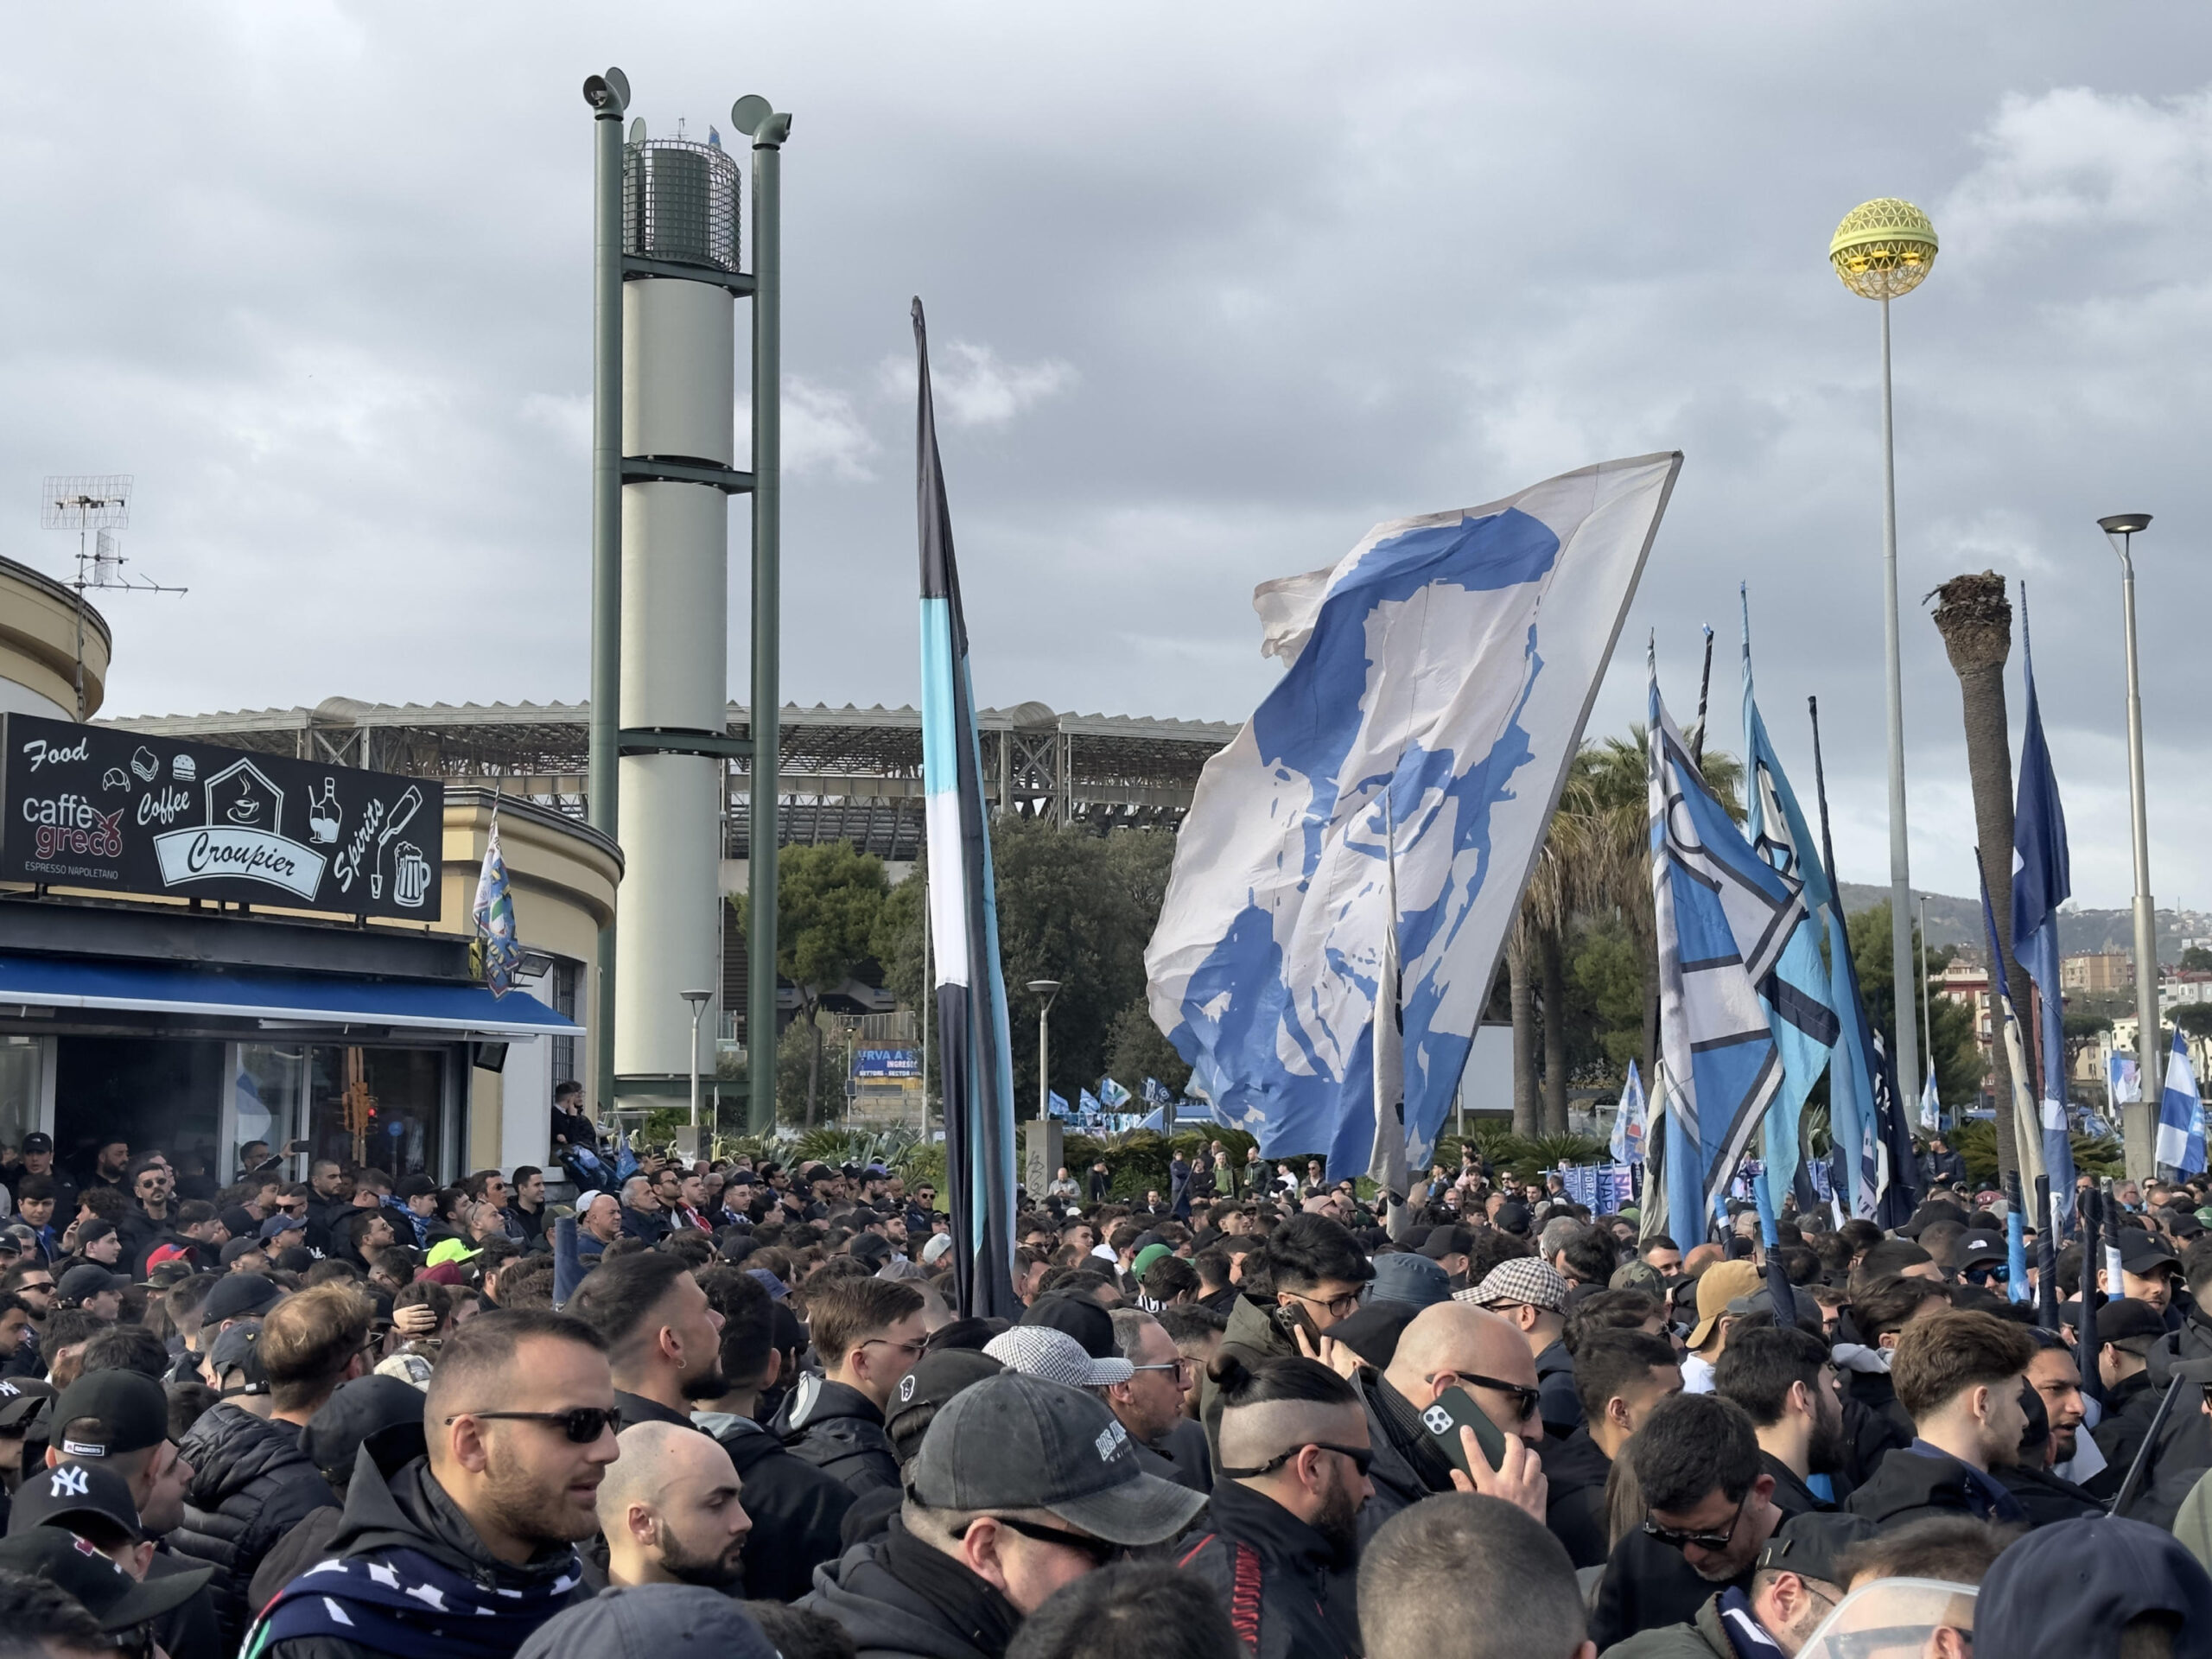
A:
(271, 1093)
(379, 1106)
(20, 1075)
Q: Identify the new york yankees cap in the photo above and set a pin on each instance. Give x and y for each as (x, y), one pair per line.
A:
(81, 1497)
(1017, 1442)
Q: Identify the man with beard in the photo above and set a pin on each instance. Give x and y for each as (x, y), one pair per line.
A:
(1959, 1373)
(1294, 1455)
(520, 1419)
(1784, 1377)
(1709, 1511)
(670, 1511)
(663, 1337)
(2053, 1374)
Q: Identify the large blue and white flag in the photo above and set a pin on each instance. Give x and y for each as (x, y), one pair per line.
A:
(1627, 1146)
(1724, 916)
(2181, 1114)
(1449, 661)
(1088, 1104)
(1799, 1010)
(977, 1064)
(1112, 1094)
(2041, 882)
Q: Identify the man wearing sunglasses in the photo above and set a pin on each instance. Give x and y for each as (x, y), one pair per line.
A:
(1020, 1486)
(520, 1418)
(1295, 1457)
(1304, 1277)
(1709, 1511)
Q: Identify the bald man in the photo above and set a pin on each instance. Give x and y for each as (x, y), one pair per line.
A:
(1452, 1345)
(669, 1511)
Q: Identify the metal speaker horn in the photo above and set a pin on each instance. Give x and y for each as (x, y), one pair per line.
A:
(749, 111)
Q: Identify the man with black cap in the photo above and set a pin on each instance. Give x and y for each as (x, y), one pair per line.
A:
(96, 1289)
(38, 1159)
(118, 1601)
(2148, 1270)
(1449, 1246)
(117, 1422)
(1797, 1583)
(2098, 1587)
(2126, 1331)
(1020, 1486)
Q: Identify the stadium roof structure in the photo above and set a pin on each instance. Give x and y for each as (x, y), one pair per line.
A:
(847, 774)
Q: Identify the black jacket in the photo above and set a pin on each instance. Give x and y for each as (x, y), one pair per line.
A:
(1911, 1486)
(797, 1509)
(838, 1429)
(1647, 1585)
(1791, 1495)
(1556, 1400)
(1308, 1606)
(411, 1511)
(2120, 1434)
(1874, 1391)
(1406, 1470)
(1576, 1469)
(251, 1485)
(884, 1614)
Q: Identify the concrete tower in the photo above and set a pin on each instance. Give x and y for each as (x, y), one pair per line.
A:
(680, 202)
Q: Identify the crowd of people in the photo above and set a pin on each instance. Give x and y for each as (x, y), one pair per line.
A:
(735, 1407)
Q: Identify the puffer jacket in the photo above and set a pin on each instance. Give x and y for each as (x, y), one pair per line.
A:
(251, 1485)
(839, 1431)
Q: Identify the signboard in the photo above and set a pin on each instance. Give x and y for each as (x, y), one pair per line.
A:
(1600, 1188)
(887, 1063)
(87, 806)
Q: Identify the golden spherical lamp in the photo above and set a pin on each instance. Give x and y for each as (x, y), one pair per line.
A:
(1883, 249)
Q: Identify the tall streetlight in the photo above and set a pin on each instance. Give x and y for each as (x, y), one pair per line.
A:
(698, 1000)
(1049, 989)
(2136, 1120)
(1883, 249)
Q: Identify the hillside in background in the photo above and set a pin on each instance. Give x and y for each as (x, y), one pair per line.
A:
(1958, 921)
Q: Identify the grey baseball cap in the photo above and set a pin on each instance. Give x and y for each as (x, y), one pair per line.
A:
(651, 1621)
(1016, 1442)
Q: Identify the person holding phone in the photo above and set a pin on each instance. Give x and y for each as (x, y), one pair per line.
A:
(1477, 1368)
(1304, 1278)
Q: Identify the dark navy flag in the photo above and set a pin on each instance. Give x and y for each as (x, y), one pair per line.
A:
(2042, 882)
(978, 1065)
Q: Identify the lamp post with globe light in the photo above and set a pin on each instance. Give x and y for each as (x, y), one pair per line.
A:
(2137, 1136)
(1883, 249)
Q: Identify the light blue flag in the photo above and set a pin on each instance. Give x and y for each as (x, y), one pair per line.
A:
(1854, 1163)
(1931, 1103)
(1112, 1094)
(1056, 1105)
(2041, 882)
(1628, 1121)
(1796, 995)
(1723, 916)
(1088, 1104)
(2181, 1114)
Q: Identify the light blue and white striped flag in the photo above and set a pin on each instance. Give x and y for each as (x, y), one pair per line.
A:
(2181, 1114)
(1723, 917)
(1449, 661)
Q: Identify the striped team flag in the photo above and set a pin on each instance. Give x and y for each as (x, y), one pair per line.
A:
(977, 1065)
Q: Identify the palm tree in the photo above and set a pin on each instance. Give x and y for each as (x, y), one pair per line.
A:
(1975, 619)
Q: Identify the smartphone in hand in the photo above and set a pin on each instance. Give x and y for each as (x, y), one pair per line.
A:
(1455, 1409)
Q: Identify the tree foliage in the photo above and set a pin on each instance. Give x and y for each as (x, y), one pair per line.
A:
(1958, 1067)
(829, 897)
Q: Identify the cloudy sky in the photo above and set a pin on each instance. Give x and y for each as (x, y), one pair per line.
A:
(1213, 288)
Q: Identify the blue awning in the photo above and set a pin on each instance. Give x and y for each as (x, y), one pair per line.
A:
(263, 993)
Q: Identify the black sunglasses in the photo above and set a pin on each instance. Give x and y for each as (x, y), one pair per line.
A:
(1102, 1551)
(1524, 1400)
(582, 1424)
(1362, 1457)
(1676, 1538)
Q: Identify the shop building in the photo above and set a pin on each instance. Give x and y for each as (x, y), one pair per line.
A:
(201, 945)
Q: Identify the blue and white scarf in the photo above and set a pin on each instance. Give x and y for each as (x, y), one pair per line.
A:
(402, 1602)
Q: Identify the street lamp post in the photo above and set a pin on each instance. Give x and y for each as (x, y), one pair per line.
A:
(698, 1000)
(2137, 1135)
(1883, 249)
(1049, 989)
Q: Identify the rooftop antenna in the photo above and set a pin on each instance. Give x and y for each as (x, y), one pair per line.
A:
(95, 506)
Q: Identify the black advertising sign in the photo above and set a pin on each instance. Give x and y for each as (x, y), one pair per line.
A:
(88, 806)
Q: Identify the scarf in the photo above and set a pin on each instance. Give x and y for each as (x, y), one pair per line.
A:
(1745, 1634)
(401, 1601)
(986, 1619)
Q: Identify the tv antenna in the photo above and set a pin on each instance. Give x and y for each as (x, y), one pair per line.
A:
(95, 506)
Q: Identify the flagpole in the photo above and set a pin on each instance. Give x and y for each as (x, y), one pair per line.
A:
(1704, 685)
(1927, 1007)
(927, 997)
